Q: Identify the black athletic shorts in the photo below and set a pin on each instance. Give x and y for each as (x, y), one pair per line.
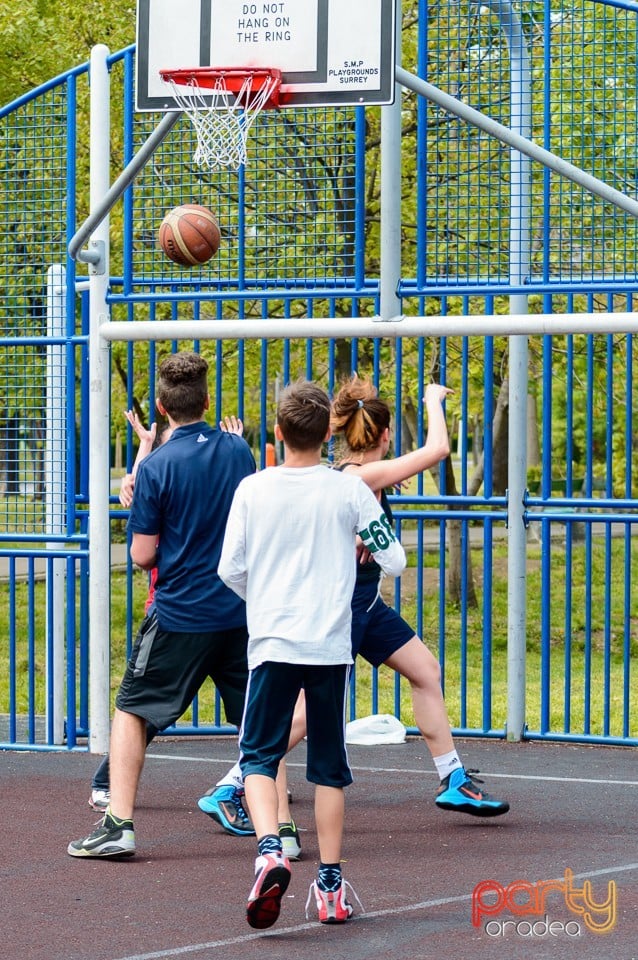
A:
(273, 689)
(166, 670)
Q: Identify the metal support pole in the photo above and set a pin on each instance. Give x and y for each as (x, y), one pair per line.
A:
(520, 191)
(102, 205)
(99, 420)
(54, 497)
(390, 274)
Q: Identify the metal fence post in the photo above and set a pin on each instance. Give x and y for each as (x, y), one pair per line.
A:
(54, 493)
(99, 417)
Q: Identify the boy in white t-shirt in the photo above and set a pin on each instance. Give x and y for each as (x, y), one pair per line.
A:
(289, 552)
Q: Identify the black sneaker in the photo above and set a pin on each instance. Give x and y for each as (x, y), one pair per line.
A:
(460, 791)
(113, 838)
(290, 841)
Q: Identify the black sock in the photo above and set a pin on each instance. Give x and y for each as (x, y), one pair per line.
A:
(329, 879)
(269, 843)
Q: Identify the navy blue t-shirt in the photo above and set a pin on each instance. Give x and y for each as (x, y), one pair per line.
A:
(183, 492)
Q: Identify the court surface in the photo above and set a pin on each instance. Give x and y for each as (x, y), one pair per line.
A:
(414, 867)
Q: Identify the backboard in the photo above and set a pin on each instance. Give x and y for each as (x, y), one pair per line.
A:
(329, 53)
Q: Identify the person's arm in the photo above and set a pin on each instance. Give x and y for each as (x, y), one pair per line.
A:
(146, 438)
(232, 562)
(380, 474)
(144, 550)
(378, 536)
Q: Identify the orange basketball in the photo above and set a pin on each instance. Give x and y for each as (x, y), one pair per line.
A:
(189, 234)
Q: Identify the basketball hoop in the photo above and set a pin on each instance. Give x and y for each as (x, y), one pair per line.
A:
(222, 104)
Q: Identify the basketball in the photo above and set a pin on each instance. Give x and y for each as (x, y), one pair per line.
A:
(189, 234)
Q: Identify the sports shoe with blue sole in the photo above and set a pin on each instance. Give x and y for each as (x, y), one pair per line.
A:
(460, 791)
(224, 804)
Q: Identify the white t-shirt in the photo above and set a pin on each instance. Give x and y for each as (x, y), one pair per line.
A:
(289, 551)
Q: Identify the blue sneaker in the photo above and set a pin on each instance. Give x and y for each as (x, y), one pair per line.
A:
(460, 791)
(224, 804)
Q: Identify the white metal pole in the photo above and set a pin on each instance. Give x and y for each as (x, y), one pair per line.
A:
(55, 496)
(501, 325)
(520, 190)
(99, 417)
(390, 253)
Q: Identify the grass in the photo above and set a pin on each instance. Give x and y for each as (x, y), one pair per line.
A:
(582, 676)
(572, 683)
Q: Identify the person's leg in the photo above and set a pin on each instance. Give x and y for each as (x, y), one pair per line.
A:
(288, 830)
(263, 741)
(261, 797)
(328, 768)
(422, 671)
(101, 782)
(458, 790)
(114, 838)
(329, 817)
(101, 779)
(264, 737)
(163, 674)
(128, 748)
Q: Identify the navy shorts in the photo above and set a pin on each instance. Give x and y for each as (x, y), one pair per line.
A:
(166, 670)
(378, 631)
(273, 689)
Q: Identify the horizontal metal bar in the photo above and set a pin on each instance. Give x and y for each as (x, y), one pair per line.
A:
(400, 326)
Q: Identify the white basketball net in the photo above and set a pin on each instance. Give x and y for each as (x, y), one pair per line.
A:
(222, 125)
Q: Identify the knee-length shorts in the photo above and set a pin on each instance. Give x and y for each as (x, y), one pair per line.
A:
(273, 689)
(166, 669)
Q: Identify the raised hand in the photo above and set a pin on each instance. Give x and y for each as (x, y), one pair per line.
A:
(145, 436)
(436, 392)
(232, 425)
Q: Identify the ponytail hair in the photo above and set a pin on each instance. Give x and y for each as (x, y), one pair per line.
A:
(359, 415)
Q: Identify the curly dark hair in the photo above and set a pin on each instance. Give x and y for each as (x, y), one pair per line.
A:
(183, 386)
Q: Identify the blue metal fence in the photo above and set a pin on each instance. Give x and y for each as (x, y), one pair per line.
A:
(301, 228)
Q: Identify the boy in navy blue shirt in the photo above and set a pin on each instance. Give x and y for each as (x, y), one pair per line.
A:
(197, 627)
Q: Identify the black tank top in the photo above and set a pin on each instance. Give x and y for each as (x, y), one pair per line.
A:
(371, 571)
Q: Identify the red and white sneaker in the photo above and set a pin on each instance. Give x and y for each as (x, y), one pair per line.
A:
(272, 876)
(332, 906)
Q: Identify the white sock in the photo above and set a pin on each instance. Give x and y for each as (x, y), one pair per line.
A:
(447, 763)
(233, 777)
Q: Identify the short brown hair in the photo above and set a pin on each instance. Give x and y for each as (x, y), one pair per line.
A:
(303, 415)
(359, 414)
(183, 387)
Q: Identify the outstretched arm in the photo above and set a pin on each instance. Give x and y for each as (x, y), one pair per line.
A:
(380, 474)
(146, 438)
